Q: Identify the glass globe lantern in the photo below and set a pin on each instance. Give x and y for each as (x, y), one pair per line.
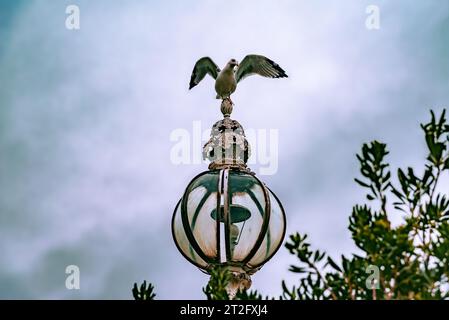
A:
(227, 216)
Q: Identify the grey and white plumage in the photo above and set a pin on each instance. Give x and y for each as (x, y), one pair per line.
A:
(226, 80)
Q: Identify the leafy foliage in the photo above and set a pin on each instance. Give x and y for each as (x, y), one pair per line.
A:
(407, 261)
(145, 293)
(216, 288)
(219, 280)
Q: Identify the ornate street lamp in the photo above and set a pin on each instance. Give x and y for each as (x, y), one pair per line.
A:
(227, 216)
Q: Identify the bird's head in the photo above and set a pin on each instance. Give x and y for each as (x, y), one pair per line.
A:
(233, 63)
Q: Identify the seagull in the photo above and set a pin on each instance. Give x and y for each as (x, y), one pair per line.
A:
(226, 80)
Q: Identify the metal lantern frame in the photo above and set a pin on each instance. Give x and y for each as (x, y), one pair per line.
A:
(224, 193)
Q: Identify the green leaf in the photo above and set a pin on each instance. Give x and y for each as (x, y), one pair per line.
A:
(363, 184)
(296, 269)
(333, 264)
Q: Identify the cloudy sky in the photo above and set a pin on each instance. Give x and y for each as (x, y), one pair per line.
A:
(86, 116)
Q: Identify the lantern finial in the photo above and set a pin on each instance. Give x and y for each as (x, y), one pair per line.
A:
(226, 107)
(227, 146)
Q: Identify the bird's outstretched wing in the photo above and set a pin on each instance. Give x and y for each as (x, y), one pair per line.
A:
(256, 64)
(202, 67)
